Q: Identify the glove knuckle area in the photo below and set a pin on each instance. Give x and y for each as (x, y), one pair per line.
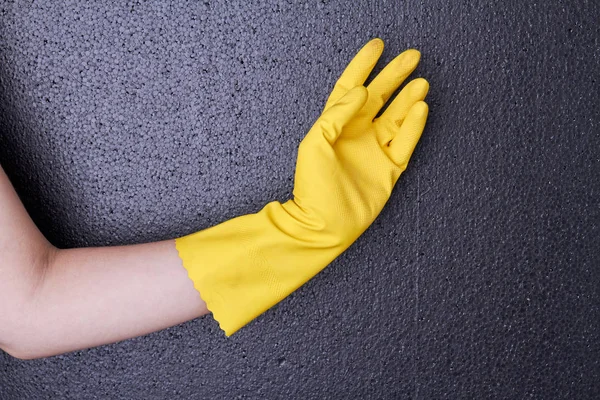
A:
(328, 129)
(385, 130)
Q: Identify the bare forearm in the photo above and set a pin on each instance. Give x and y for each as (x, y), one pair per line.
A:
(54, 301)
(95, 296)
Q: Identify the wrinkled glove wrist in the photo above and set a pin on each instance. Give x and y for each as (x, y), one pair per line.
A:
(244, 266)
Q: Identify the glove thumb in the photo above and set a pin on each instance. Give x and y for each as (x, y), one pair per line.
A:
(332, 121)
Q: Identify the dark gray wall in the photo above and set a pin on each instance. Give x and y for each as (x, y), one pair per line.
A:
(480, 279)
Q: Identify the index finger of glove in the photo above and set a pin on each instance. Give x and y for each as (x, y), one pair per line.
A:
(357, 72)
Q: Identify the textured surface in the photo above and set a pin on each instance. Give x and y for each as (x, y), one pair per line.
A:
(144, 121)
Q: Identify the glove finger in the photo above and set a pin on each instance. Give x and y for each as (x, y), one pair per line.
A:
(388, 123)
(403, 144)
(331, 122)
(357, 72)
(388, 80)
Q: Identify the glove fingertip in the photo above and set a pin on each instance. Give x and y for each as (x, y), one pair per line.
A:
(377, 45)
(419, 110)
(420, 86)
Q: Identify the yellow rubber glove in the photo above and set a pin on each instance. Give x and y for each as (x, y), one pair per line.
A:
(347, 166)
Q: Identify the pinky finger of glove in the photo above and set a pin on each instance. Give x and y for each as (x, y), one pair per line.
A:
(403, 144)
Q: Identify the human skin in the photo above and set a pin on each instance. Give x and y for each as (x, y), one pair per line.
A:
(53, 301)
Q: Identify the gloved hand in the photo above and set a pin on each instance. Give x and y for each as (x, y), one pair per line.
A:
(347, 166)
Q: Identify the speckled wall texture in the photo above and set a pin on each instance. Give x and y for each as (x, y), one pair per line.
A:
(139, 121)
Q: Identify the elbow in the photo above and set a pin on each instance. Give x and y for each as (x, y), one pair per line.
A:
(20, 334)
(26, 356)
(8, 344)
(17, 353)
(13, 338)
(16, 341)
(24, 344)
